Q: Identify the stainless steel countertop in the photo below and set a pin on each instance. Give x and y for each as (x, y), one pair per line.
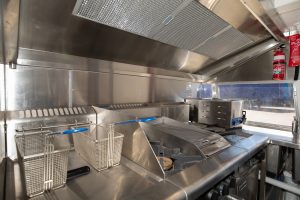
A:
(276, 139)
(122, 182)
(118, 182)
(198, 178)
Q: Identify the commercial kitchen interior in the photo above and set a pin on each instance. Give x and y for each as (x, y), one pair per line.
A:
(147, 99)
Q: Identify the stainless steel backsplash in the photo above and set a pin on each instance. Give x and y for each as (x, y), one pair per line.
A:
(34, 87)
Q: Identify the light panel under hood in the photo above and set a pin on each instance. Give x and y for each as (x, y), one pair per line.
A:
(184, 24)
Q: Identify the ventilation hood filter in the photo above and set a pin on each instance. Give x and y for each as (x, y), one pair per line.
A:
(193, 25)
(186, 24)
(137, 16)
(214, 47)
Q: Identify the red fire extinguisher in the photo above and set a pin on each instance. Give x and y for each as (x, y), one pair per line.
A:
(278, 64)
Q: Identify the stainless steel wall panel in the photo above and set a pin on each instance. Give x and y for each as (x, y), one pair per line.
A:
(30, 57)
(143, 111)
(258, 69)
(179, 112)
(235, 63)
(33, 87)
(131, 89)
(88, 88)
(169, 90)
(107, 88)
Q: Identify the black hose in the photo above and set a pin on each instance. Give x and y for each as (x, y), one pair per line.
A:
(74, 173)
(296, 73)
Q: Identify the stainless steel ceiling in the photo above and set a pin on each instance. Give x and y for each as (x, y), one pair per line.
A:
(197, 36)
(285, 14)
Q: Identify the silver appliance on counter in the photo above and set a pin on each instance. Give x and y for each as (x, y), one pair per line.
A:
(224, 113)
(184, 144)
(201, 159)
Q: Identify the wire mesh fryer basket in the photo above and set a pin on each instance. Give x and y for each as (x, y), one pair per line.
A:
(101, 147)
(43, 165)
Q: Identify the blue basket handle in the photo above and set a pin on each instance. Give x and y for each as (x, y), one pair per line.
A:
(146, 119)
(75, 130)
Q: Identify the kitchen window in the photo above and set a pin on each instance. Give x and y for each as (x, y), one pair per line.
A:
(268, 104)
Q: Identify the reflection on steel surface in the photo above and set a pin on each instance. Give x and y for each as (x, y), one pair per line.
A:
(33, 87)
(224, 113)
(189, 183)
(126, 47)
(226, 65)
(194, 144)
(190, 139)
(10, 13)
(100, 42)
(258, 12)
(188, 24)
(47, 59)
(239, 17)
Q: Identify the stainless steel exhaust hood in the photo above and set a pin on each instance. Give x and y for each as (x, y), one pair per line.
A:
(184, 24)
(178, 35)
